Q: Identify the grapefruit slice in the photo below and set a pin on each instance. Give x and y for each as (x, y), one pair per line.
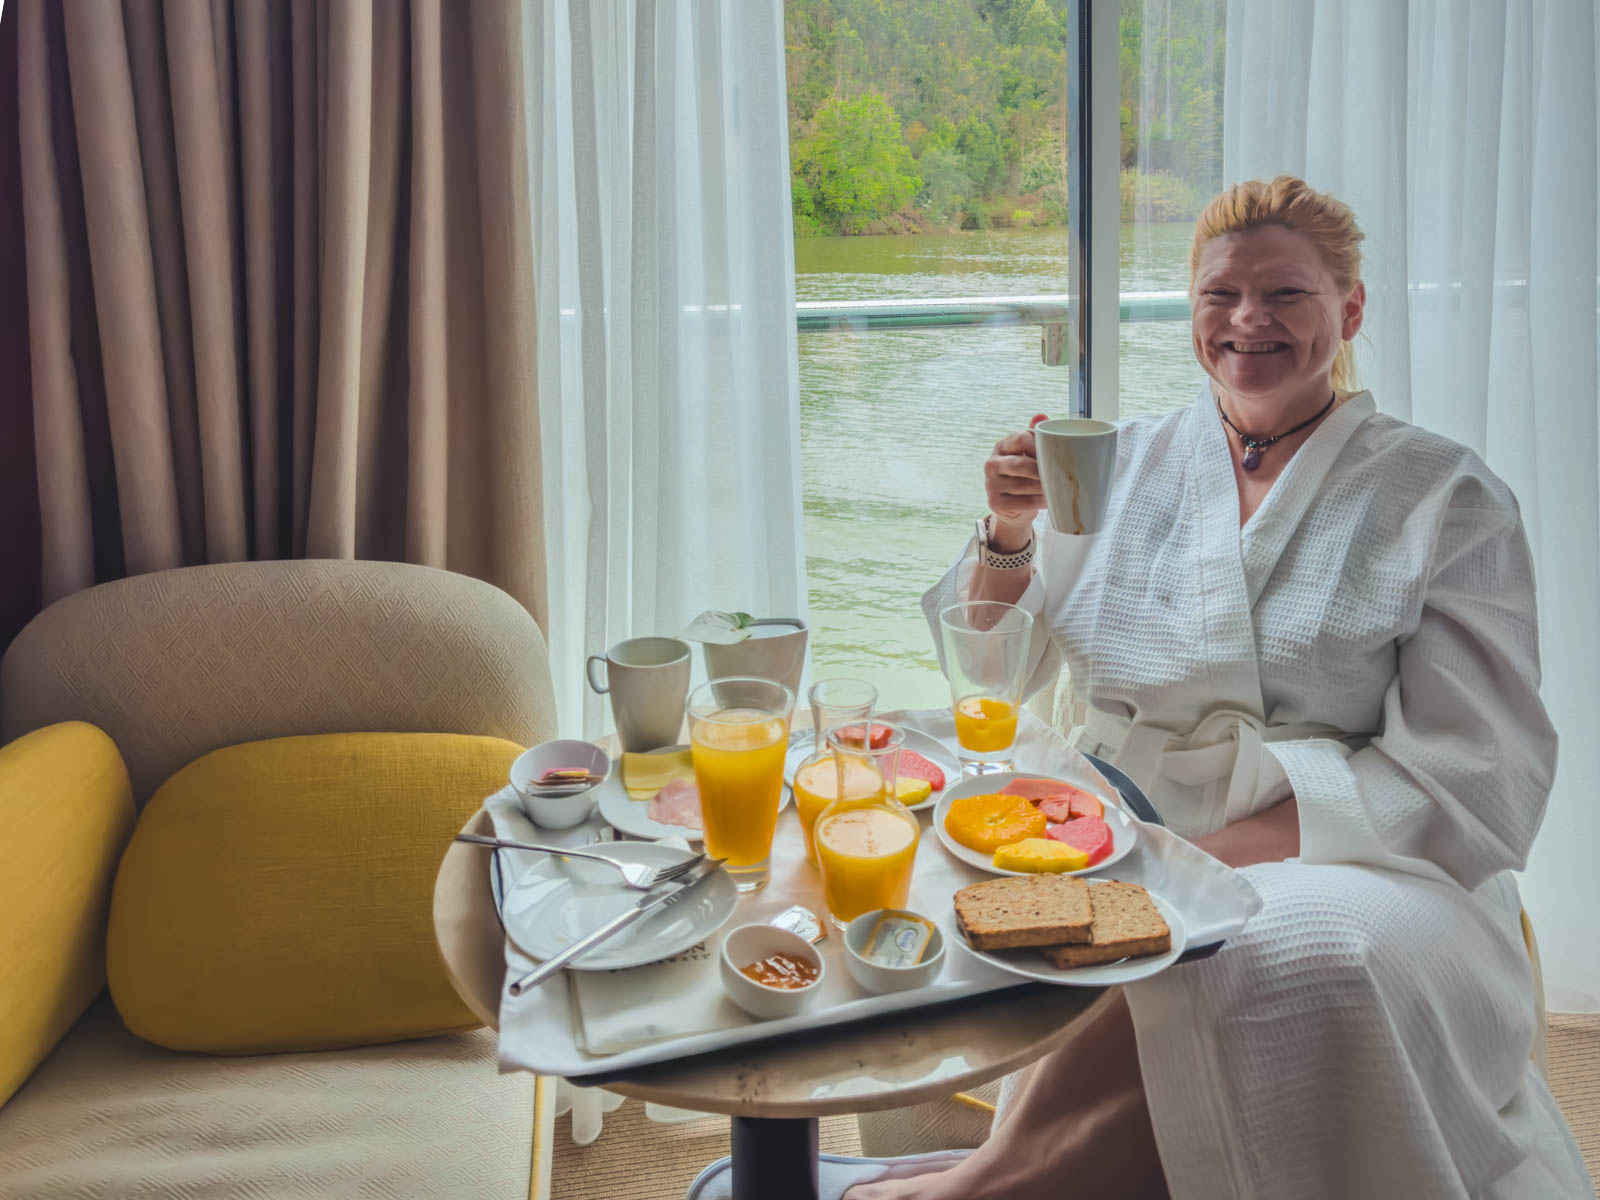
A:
(914, 766)
(1089, 834)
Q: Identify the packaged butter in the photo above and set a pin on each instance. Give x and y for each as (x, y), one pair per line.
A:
(898, 939)
(802, 921)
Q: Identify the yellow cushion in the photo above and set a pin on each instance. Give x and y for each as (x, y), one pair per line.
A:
(278, 895)
(66, 809)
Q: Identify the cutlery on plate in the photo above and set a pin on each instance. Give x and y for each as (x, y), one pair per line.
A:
(635, 875)
(647, 904)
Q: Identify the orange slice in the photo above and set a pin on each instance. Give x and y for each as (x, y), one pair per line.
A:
(985, 823)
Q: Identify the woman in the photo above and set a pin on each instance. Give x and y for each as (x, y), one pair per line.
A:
(1308, 632)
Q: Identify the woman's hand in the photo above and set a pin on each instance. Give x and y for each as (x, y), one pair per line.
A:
(1011, 479)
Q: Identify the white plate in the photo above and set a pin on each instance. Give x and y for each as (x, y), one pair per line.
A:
(1030, 964)
(1124, 833)
(930, 747)
(558, 901)
(627, 815)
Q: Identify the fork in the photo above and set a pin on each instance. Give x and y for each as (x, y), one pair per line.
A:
(635, 875)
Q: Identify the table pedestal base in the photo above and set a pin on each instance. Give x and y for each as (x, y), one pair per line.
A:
(774, 1159)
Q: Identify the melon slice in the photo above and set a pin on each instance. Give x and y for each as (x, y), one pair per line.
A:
(1089, 834)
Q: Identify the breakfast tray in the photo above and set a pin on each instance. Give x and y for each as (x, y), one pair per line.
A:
(665, 1008)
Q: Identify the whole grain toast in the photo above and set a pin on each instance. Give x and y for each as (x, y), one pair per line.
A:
(1032, 910)
(1125, 925)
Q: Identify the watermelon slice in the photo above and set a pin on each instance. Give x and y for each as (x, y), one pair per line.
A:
(915, 766)
(1089, 834)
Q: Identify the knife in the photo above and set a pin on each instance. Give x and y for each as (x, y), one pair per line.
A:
(663, 898)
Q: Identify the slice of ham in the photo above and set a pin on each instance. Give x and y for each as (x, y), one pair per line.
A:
(677, 804)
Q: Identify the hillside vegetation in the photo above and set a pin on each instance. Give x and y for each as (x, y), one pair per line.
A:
(912, 115)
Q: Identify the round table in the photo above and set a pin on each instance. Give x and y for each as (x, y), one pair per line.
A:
(776, 1090)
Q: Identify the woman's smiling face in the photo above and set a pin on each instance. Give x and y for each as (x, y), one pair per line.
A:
(1268, 316)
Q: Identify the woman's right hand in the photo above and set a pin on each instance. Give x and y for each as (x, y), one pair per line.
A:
(1011, 479)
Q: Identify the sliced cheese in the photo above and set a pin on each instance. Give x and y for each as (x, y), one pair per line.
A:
(643, 775)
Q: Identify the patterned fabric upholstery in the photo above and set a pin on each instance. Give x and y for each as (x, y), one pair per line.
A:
(109, 1115)
(175, 664)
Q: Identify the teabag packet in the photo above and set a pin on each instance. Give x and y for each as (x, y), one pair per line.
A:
(719, 628)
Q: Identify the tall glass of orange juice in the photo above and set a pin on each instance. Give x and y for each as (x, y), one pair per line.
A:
(738, 735)
(985, 647)
(865, 840)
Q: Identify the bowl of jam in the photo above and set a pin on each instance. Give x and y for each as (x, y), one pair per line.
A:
(770, 972)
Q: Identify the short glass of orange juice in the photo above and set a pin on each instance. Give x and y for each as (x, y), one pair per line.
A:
(985, 647)
(738, 736)
(865, 840)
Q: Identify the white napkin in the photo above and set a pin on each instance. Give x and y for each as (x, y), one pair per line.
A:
(615, 1012)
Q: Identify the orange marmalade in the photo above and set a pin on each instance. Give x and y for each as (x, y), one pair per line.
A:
(781, 970)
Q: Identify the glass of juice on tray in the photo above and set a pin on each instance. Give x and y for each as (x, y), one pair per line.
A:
(985, 660)
(738, 736)
(865, 840)
(834, 703)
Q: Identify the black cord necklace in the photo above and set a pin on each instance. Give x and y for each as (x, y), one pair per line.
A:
(1253, 445)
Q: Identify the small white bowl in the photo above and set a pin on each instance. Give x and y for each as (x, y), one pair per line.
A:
(752, 943)
(558, 812)
(877, 977)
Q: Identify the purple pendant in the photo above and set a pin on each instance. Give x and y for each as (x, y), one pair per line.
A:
(1252, 459)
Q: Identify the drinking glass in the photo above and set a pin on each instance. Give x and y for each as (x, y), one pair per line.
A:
(866, 840)
(985, 659)
(836, 702)
(738, 737)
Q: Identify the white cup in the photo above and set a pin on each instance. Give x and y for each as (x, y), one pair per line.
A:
(648, 681)
(775, 649)
(1077, 463)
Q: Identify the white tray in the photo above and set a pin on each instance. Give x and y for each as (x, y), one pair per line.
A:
(546, 1039)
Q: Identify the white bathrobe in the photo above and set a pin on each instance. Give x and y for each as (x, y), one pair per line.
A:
(1367, 642)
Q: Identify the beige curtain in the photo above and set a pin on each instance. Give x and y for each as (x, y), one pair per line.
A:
(280, 285)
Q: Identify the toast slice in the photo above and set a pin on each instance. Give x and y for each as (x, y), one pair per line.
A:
(1032, 910)
(1125, 925)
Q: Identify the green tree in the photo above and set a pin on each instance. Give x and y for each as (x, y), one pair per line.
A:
(979, 147)
(945, 183)
(853, 168)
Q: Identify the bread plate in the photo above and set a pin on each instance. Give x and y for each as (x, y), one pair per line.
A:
(1031, 964)
(627, 815)
(803, 743)
(1124, 830)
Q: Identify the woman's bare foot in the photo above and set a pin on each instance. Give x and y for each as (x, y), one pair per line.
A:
(1080, 1119)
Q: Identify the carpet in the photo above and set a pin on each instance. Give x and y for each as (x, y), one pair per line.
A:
(637, 1159)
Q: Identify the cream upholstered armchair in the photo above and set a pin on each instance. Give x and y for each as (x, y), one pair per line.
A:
(174, 666)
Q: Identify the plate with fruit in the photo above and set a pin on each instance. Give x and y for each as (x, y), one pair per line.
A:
(927, 767)
(1012, 823)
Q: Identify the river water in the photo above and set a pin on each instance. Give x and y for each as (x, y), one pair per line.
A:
(895, 424)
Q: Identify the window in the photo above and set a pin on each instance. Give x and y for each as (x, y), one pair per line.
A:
(932, 145)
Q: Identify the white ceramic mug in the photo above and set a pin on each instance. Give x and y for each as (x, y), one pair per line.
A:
(775, 649)
(1077, 463)
(648, 681)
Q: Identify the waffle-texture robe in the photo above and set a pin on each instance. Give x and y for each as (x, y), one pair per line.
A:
(1367, 642)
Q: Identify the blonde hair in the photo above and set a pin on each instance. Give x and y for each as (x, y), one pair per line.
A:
(1296, 205)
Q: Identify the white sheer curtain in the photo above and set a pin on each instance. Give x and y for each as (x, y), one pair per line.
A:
(1464, 134)
(668, 386)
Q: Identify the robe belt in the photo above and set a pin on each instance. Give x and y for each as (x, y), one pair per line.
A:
(1227, 744)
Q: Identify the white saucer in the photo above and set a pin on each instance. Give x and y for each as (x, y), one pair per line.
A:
(930, 747)
(1124, 832)
(1030, 964)
(558, 901)
(627, 815)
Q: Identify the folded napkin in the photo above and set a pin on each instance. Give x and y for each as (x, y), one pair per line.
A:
(635, 1015)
